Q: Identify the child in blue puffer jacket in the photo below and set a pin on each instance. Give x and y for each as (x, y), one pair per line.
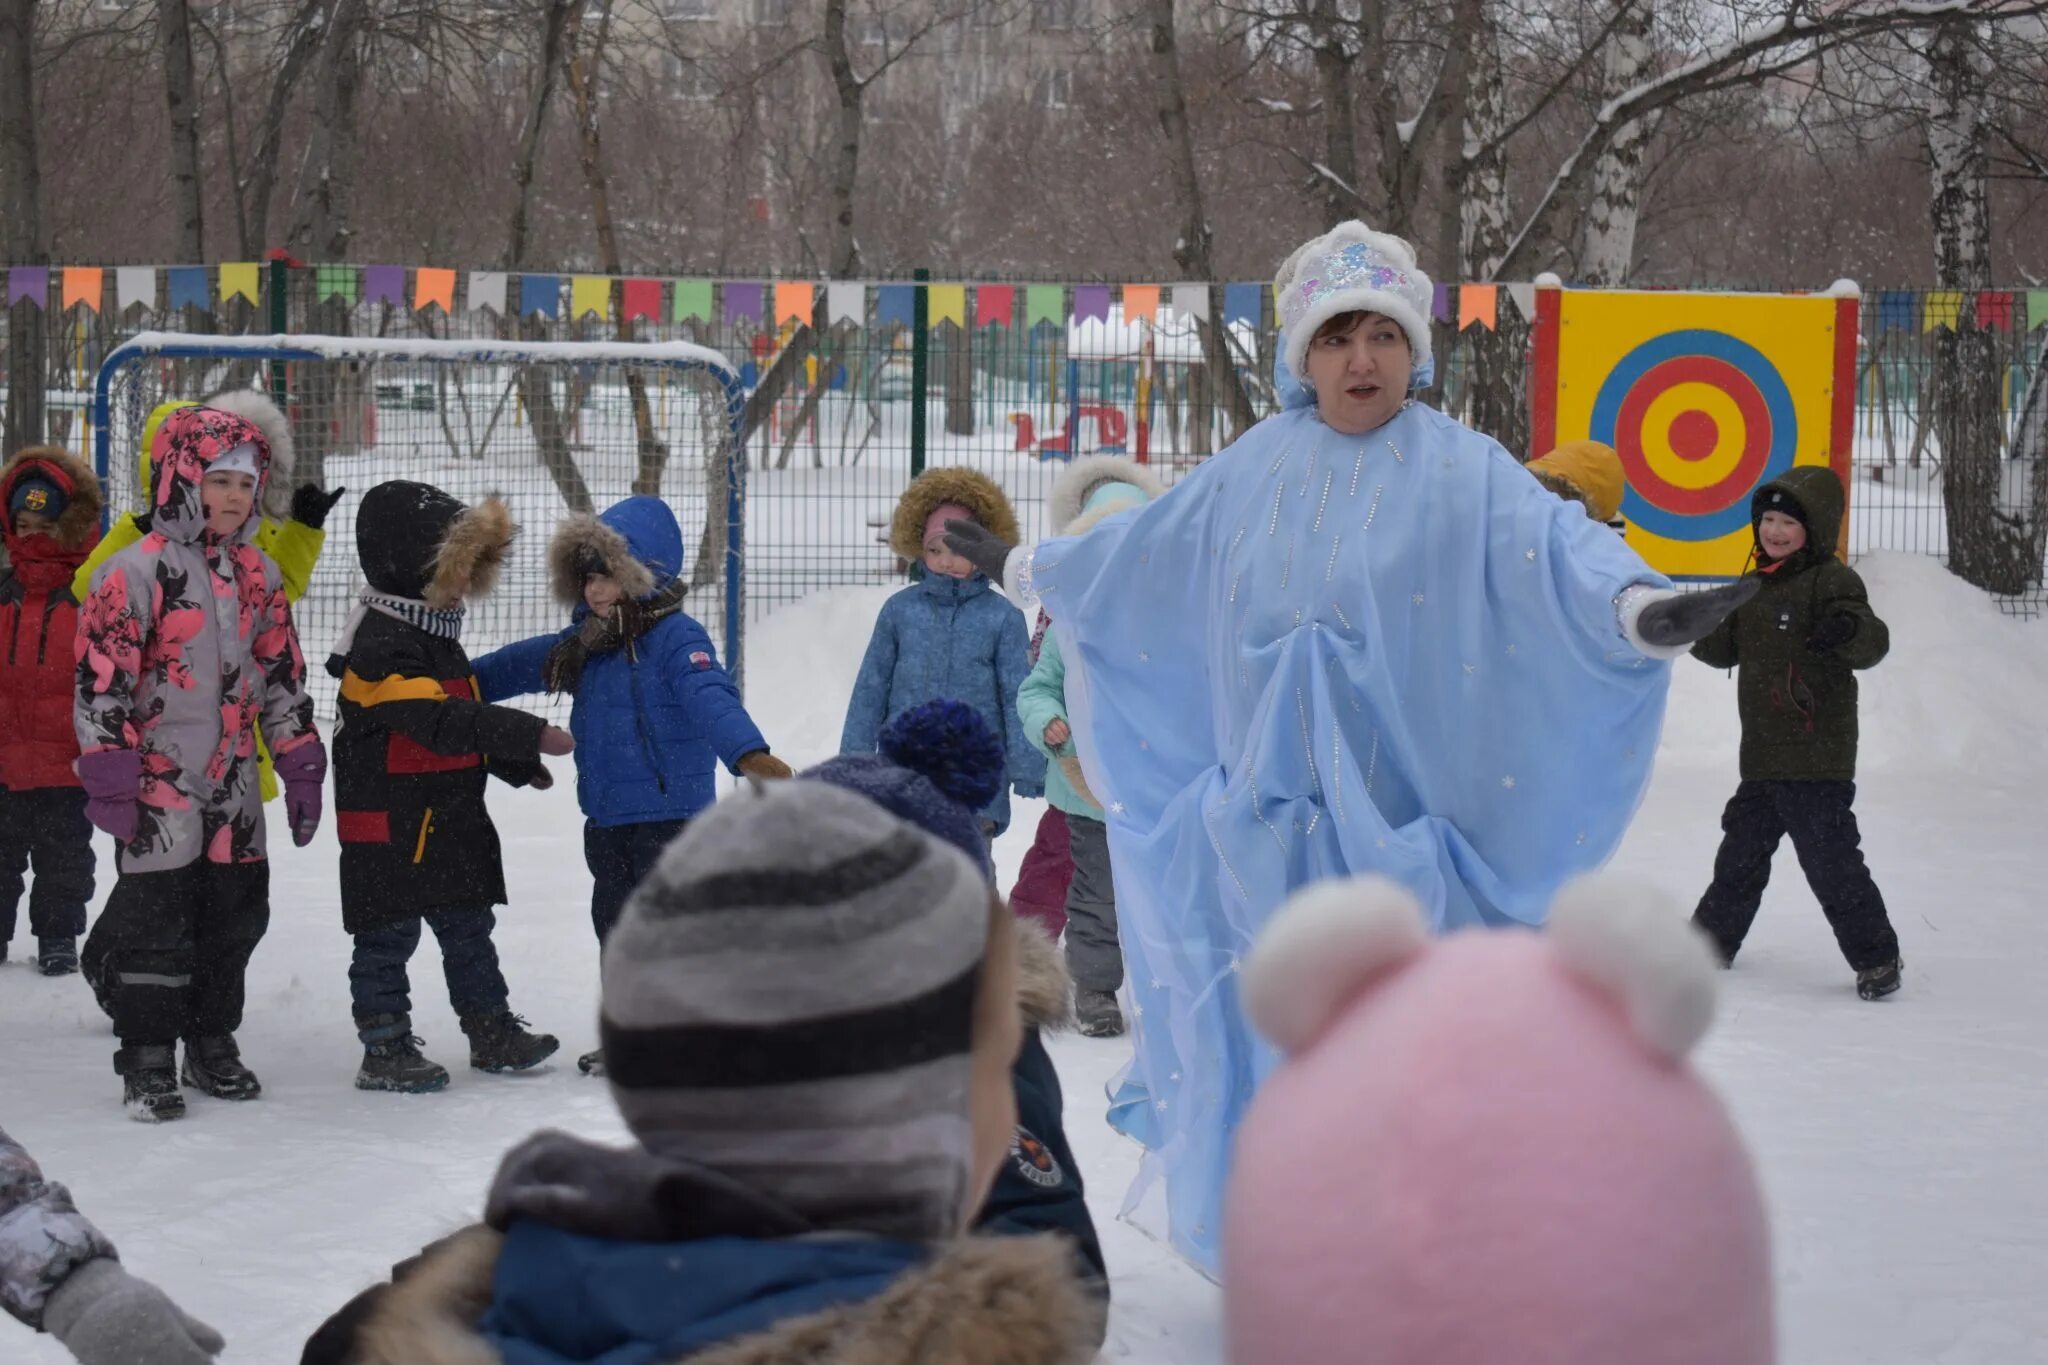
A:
(950, 634)
(654, 713)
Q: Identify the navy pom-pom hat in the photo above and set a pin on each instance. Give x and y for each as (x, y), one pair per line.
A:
(939, 764)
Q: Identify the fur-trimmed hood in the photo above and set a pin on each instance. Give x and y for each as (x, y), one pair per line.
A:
(253, 407)
(1044, 990)
(78, 527)
(1067, 504)
(638, 542)
(416, 541)
(969, 488)
(977, 1301)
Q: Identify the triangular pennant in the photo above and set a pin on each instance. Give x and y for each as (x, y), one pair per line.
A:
(948, 304)
(135, 284)
(693, 300)
(82, 284)
(590, 294)
(995, 305)
(384, 284)
(1191, 301)
(434, 287)
(335, 282)
(1044, 303)
(187, 288)
(1141, 303)
(745, 301)
(846, 302)
(242, 279)
(1478, 303)
(1944, 308)
(29, 284)
(794, 300)
(641, 299)
(487, 290)
(1524, 296)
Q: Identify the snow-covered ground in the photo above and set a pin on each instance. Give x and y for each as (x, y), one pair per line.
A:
(1901, 1144)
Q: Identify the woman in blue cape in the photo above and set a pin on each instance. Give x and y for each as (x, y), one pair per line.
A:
(1365, 641)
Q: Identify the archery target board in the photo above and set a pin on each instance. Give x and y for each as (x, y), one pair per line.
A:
(1705, 397)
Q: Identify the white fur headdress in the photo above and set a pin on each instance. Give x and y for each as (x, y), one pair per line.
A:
(1352, 269)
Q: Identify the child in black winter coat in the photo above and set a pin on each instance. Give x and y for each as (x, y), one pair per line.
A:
(411, 757)
(1798, 646)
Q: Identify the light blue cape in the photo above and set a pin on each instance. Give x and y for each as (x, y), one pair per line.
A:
(1320, 656)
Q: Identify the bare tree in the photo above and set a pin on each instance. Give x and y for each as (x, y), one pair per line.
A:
(21, 220)
(1610, 231)
(181, 100)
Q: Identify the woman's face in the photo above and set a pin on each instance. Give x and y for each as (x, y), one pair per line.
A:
(1358, 364)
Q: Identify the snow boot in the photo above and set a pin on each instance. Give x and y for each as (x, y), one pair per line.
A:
(57, 956)
(394, 1062)
(1875, 983)
(149, 1089)
(500, 1043)
(591, 1063)
(214, 1064)
(1097, 1014)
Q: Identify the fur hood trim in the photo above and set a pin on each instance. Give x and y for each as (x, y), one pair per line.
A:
(467, 562)
(584, 534)
(970, 488)
(979, 1301)
(1069, 496)
(1044, 990)
(79, 525)
(255, 407)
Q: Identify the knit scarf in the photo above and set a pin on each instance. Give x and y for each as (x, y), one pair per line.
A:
(442, 622)
(628, 621)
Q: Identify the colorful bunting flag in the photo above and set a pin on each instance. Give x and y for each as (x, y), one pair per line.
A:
(1044, 303)
(894, 304)
(1897, 310)
(82, 284)
(994, 304)
(540, 294)
(1944, 308)
(846, 302)
(135, 284)
(948, 304)
(1141, 303)
(1994, 310)
(693, 300)
(1241, 303)
(641, 299)
(1524, 298)
(241, 279)
(745, 301)
(1091, 301)
(187, 288)
(2037, 308)
(487, 290)
(29, 284)
(384, 284)
(1191, 301)
(590, 294)
(1478, 303)
(794, 301)
(1440, 304)
(335, 282)
(434, 287)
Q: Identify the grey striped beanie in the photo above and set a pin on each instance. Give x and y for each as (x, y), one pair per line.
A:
(789, 999)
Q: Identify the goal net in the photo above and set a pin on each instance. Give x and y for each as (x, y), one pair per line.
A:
(549, 427)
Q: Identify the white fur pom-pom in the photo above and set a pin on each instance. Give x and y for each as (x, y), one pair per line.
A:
(1627, 938)
(1326, 943)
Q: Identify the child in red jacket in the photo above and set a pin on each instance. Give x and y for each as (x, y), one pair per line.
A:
(50, 518)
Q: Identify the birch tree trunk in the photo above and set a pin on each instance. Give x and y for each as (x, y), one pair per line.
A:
(1499, 370)
(1986, 546)
(1193, 251)
(21, 220)
(1334, 77)
(181, 102)
(1607, 250)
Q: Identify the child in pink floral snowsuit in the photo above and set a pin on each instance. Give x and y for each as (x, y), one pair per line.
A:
(184, 643)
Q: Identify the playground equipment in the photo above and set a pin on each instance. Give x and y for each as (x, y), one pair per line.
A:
(1111, 429)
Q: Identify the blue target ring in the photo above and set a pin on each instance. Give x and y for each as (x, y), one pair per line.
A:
(1754, 366)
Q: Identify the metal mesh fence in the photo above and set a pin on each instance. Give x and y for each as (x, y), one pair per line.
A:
(547, 428)
(1016, 378)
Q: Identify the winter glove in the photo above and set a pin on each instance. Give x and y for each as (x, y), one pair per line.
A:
(1688, 617)
(302, 770)
(979, 546)
(112, 779)
(555, 741)
(764, 765)
(105, 1316)
(540, 779)
(310, 506)
(1832, 633)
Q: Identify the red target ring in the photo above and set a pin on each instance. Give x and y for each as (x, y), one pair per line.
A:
(1694, 435)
